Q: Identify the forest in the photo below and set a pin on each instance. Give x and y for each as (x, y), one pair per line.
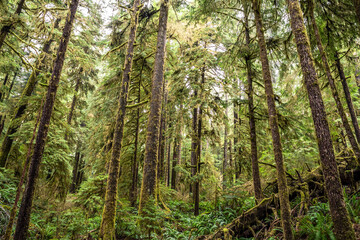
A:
(180, 119)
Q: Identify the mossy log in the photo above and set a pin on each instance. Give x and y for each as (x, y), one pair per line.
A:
(240, 226)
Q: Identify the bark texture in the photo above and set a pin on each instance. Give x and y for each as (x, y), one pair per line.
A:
(340, 108)
(342, 225)
(252, 124)
(348, 97)
(153, 126)
(25, 207)
(107, 228)
(273, 123)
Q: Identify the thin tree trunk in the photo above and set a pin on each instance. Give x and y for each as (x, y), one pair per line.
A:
(225, 160)
(168, 180)
(23, 101)
(161, 154)
(174, 163)
(340, 217)
(6, 28)
(252, 124)
(348, 97)
(9, 227)
(75, 170)
(340, 108)
(25, 207)
(194, 142)
(107, 228)
(273, 122)
(135, 165)
(153, 126)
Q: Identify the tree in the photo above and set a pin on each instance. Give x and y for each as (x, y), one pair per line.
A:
(107, 229)
(334, 91)
(340, 217)
(273, 123)
(153, 126)
(25, 207)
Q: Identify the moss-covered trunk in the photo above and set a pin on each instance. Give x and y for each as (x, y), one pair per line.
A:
(252, 124)
(273, 123)
(107, 228)
(153, 126)
(25, 207)
(342, 225)
(348, 97)
(340, 108)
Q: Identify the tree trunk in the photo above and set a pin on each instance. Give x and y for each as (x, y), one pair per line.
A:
(153, 126)
(225, 160)
(23, 101)
(107, 228)
(75, 172)
(340, 108)
(161, 154)
(25, 207)
(252, 124)
(168, 180)
(135, 165)
(348, 97)
(174, 163)
(2, 93)
(6, 28)
(342, 225)
(273, 122)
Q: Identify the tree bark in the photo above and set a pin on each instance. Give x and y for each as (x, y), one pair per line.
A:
(153, 126)
(75, 172)
(135, 165)
(6, 28)
(273, 123)
(174, 163)
(107, 228)
(25, 207)
(21, 105)
(342, 224)
(348, 97)
(161, 155)
(252, 124)
(340, 108)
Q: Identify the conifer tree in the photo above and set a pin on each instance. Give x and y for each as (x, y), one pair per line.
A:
(153, 127)
(26, 204)
(273, 122)
(340, 217)
(107, 229)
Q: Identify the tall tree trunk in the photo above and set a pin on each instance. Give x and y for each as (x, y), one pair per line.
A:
(75, 172)
(348, 97)
(168, 180)
(225, 160)
(340, 108)
(25, 207)
(6, 28)
(252, 124)
(161, 154)
(342, 224)
(194, 142)
(273, 122)
(23, 101)
(198, 146)
(174, 163)
(107, 228)
(153, 126)
(236, 135)
(135, 164)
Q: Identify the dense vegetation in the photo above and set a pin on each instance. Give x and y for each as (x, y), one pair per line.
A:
(175, 119)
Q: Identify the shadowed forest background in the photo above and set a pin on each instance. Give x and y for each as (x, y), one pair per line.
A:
(179, 119)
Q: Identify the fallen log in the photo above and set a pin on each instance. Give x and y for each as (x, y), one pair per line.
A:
(250, 219)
